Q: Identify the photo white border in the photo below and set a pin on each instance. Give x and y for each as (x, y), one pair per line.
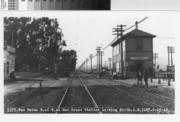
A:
(90, 117)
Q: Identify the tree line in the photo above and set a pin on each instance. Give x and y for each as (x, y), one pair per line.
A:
(38, 43)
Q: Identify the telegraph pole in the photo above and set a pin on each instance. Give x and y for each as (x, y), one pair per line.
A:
(86, 64)
(155, 56)
(110, 63)
(169, 70)
(168, 48)
(98, 58)
(101, 61)
(168, 75)
(119, 32)
(110, 59)
(172, 51)
(91, 56)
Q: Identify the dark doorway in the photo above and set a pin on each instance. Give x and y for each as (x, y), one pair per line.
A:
(139, 66)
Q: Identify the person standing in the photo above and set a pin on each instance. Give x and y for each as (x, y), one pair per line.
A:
(139, 77)
(146, 77)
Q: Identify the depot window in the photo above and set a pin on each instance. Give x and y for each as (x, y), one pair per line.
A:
(139, 44)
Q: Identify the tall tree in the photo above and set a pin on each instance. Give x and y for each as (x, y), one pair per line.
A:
(37, 41)
(68, 60)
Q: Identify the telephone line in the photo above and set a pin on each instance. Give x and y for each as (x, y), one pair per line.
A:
(124, 31)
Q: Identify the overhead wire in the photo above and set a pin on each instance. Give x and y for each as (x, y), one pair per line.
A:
(122, 21)
(124, 31)
(129, 20)
(138, 23)
(125, 21)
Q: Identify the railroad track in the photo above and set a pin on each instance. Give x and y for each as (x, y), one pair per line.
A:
(65, 93)
(83, 86)
(147, 102)
(152, 94)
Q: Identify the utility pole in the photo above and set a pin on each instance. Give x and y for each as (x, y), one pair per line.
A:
(155, 56)
(168, 48)
(91, 56)
(119, 32)
(169, 70)
(110, 59)
(98, 58)
(101, 60)
(86, 64)
(172, 51)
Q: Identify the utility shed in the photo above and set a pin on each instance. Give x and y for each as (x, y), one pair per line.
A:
(9, 61)
(136, 53)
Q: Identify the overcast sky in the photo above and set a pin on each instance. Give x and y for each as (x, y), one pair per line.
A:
(84, 34)
(85, 30)
(95, 28)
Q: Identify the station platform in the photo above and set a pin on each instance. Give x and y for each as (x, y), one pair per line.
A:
(164, 83)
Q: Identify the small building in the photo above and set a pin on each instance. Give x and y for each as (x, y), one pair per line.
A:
(133, 52)
(9, 61)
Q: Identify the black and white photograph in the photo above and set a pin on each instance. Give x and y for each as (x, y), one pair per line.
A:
(94, 64)
(89, 60)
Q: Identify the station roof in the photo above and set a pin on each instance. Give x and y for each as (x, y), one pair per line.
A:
(140, 33)
(135, 33)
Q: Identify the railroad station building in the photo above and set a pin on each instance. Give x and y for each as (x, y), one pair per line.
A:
(132, 52)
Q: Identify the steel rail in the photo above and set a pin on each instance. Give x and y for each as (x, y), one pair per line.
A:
(139, 99)
(95, 104)
(67, 88)
(157, 95)
(142, 100)
(153, 94)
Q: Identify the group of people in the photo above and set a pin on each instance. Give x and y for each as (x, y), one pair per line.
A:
(140, 77)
